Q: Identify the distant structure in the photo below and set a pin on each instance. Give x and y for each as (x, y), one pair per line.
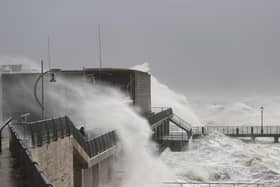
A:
(11, 68)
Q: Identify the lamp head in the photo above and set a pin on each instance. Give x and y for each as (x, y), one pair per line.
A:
(52, 73)
(52, 77)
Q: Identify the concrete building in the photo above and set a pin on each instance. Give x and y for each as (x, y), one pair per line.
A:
(18, 89)
(63, 156)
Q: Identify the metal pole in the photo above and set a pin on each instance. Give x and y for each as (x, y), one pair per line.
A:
(100, 46)
(42, 93)
(262, 108)
(49, 51)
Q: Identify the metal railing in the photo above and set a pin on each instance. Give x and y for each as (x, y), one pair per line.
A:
(46, 131)
(94, 146)
(177, 136)
(239, 130)
(182, 123)
(212, 184)
(159, 109)
(164, 113)
(29, 168)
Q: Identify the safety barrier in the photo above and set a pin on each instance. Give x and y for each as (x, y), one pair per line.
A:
(164, 113)
(95, 146)
(212, 184)
(239, 130)
(46, 131)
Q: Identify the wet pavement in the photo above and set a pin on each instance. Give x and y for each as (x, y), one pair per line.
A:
(9, 173)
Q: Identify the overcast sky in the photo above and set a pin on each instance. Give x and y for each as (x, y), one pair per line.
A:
(192, 45)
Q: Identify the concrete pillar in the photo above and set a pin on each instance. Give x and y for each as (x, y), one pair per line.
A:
(78, 174)
(168, 127)
(105, 172)
(91, 176)
(276, 139)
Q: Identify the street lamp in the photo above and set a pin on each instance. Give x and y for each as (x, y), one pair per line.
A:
(41, 76)
(262, 108)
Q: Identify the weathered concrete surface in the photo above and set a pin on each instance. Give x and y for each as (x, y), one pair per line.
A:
(106, 171)
(90, 162)
(91, 176)
(9, 173)
(99, 175)
(65, 162)
(56, 160)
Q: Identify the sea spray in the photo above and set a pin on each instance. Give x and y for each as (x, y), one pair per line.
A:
(218, 158)
(163, 96)
(23, 65)
(102, 108)
(237, 110)
(27, 65)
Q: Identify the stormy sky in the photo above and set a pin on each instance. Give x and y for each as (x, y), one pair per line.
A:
(195, 46)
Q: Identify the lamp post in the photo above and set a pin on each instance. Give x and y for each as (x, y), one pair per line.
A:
(41, 76)
(262, 108)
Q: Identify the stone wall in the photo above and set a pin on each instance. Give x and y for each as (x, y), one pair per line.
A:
(56, 160)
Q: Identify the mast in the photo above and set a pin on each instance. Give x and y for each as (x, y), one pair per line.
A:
(100, 46)
(49, 52)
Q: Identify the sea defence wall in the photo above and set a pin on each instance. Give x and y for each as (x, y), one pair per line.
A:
(56, 160)
(63, 155)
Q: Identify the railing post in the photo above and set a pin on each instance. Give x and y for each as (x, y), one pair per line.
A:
(0, 142)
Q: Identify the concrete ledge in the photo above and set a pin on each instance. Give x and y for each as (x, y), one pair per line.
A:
(88, 162)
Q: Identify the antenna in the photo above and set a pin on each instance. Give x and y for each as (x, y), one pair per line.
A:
(100, 46)
(49, 52)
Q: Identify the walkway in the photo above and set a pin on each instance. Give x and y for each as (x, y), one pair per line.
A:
(239, 131)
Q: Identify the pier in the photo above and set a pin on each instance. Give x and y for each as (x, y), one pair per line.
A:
(240, 131)
(212, 184)
(177, 140)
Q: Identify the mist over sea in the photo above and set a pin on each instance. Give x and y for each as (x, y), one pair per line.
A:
(218, 158)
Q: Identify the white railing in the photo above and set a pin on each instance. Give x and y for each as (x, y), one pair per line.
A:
(212, 184)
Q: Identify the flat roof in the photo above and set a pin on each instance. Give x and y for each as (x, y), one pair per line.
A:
(84, 70)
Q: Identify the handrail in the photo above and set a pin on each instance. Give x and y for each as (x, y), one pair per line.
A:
(179, 120)
(160, 115)
(209, 184)
(239, 130)
(46, 131)
(94, 146)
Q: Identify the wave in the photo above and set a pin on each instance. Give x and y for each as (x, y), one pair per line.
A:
(218, 158)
